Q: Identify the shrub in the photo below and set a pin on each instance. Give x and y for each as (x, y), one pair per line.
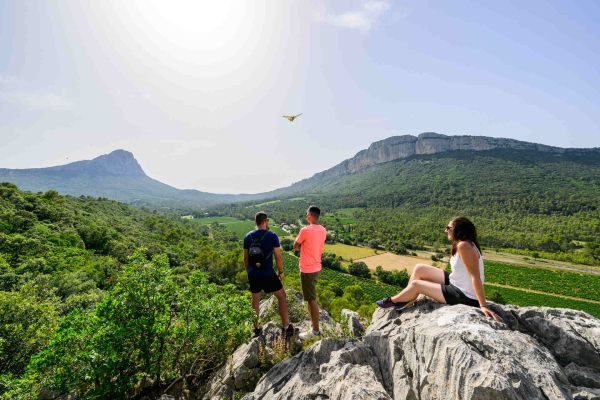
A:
(147, 327)
(496, 297)
(287, 244)
(359, 268)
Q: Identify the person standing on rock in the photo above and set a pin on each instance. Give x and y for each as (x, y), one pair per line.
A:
(463, 286)
(310, 241)
(260, 245)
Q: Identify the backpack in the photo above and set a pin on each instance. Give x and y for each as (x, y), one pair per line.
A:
(256, 254)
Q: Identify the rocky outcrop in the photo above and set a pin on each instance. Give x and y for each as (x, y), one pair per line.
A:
(436, 351)
(396, 147)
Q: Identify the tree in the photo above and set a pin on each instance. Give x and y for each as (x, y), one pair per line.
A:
(147, 326)
(495, 296)
(359, 268)
(287, 244)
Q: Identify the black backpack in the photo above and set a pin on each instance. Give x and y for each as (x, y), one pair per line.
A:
(256, 254)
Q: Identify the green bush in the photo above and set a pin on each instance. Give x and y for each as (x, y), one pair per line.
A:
(147, 327)
(28, 318)
(495, 296)
(359, 268)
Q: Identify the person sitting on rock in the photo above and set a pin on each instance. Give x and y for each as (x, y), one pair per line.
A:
(463, 286)
(259, 247)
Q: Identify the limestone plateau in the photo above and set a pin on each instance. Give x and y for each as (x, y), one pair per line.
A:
(397, 147)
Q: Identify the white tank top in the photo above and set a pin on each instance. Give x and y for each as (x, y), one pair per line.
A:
(461, 278)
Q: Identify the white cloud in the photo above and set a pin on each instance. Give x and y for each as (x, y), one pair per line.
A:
(363, 18)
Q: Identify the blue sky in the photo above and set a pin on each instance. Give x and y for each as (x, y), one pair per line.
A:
(196, 90)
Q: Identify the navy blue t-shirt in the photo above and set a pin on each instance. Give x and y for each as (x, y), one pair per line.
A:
(268, 243)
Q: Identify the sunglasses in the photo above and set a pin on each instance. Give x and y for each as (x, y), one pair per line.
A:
(448, 228)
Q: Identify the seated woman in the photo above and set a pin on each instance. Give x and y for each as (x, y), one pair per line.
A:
(463, 286)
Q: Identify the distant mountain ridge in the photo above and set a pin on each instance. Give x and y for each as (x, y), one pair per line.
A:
(119, 176)
(397, 147)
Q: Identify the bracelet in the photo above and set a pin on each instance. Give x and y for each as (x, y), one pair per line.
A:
(280, 273)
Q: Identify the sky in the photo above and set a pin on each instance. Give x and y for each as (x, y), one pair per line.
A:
(196, 90)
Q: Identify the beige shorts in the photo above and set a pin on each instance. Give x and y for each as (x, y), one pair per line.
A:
(309, 285)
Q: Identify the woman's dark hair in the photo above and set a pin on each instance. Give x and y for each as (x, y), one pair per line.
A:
(463, 230)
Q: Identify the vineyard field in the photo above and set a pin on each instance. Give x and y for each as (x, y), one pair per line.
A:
(243, 227)
(210, 220)
(529, 299)
(375, 290)
(544, 280)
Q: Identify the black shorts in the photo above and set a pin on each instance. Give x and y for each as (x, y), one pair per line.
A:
(269, 283)
(454, 295)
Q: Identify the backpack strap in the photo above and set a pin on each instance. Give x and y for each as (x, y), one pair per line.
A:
(254, 241)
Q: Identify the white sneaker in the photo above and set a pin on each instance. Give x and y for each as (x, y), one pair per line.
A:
(308, 335)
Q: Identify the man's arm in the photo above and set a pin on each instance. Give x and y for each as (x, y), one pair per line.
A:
(246, 258)
(278, 260)
(299, 240)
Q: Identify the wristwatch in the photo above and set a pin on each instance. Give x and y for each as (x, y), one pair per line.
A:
(280, 273)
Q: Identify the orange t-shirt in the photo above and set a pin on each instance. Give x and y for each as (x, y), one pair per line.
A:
(312, 238)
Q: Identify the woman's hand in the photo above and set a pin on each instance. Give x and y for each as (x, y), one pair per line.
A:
(489, 313)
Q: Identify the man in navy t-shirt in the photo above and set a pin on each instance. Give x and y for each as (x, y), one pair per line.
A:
(265, 278)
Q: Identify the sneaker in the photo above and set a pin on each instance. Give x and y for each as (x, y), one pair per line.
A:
(309, 335)
(258, 331)
(289, 331)
(388, 303)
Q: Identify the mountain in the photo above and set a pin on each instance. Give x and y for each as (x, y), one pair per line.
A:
(117, 176)
(428, 143)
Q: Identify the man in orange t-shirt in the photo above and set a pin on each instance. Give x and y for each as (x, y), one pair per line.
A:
(310, 242)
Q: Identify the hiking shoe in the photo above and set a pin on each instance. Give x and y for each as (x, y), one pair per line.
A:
(309, 335)
(289, 331)
(258, 331)
(388, 303)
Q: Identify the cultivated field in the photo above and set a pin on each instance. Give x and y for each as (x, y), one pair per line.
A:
(348, 212)
(348, 252)
(243, 227)
(210, 220)
(393, 262)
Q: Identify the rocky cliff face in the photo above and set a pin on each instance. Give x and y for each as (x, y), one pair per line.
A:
(396, 147)
(436, 351)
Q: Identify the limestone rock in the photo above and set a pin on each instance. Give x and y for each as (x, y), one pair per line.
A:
(329, 369)
(437, 351)
(354, 325)
(243, 364)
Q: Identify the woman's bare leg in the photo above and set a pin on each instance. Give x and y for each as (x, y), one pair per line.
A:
(423, 274)
(412, 291)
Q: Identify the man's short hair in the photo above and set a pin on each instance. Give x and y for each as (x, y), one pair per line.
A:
(260, 218)
(315, 212)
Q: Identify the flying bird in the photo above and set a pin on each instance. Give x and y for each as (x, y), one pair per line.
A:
(292, 118)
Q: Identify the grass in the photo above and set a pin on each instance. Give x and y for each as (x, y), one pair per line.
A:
(241, 228)
(277, 201)
(210, 220)
(348, 212)
(266, 203)
(348, 252)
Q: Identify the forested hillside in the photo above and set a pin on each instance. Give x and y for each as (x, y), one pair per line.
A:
(517, 198)
(96, 295)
